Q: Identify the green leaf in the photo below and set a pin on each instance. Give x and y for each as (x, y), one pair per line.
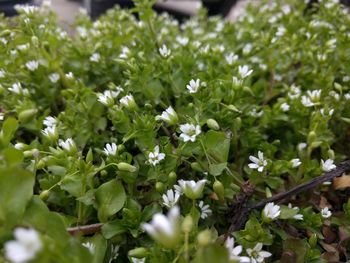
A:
(13, 156)
(100, 248)
(287, 212)
(214, 253)
(16, 189)
(8, 130)
(110, 198)
(217, 169)
(113, 228)
(217, 145)
(296, 245)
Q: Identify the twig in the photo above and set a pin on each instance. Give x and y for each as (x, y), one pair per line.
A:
(241, 210)
(85, 230)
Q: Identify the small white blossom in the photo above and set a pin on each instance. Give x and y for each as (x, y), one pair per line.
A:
(234, 252)
(138, 260)
(2, 73)
(178, 189)
(17, 88)
(164, 51)
(50, 132)
(193, 85)
(328, 165)
(110, 149)
(205, 210)
(69, 75)
(326, 213)
(32, 65)
(19, 146)
(169, 116)
(244, 71)
(107, 98)
(346, 78)
(295, 162)
(347, 96)
(189, 132)
(254, 113)
(183, 41)
(301, 146)
(165, 229)
(125, 53)
(68, 145)
(281, 30)
(285, 107)
(231, 58)
(324, 113)
(128, 101)
(95, 57)
(257, 163)
(272, 211)
(297, 216)
(26, 9)
(192, 189)
(54, 77)
(114, 253)
(155, 157)
(171, 198)
(50, 121)
(23, 47)
(247, 49)
(2, 116)
(257, 255)
(312, 98)
(294, 92)
(236, 81)
(90, 246)
(24, 248)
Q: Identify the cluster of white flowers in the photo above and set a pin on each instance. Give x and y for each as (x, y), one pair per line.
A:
(125, 53)
(258, 163)
(24, 248)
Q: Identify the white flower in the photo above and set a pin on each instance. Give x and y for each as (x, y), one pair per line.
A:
(128, 101)
(236, 81)
(205, 209)
(295, 162)
(281, 30)
(50, 132)
(110, 149)
(247, 49)
(285, 107)
(2, 116)
(95, 57)
(107, 98)
(114, 253)
(192, 189)
(297, 216)
(183, 41)
(32, 65)
(328, 165)
(69, 75)
(326, 213)
(324, 113)
(155, 157)
(169, 116)
(235, 251)
(50, 121)
(2, 73)
(125, 53)
(17, 88)
(231, 58)
(19, 146)
(301, 146)
(68, 145)
(257, 255)
(25, 246)
(347, 96)
(244, 71)
(164, 51)
(90, 246)
(257, 163)
(312, 98)
(193, 85)
(306, 101)
(189, 132)
(171, 198)
(54, 77)
(254, 113)
(27, 9)
(23, 47)
(138, 260)
(178, 189)
(294, 92)
(271, 211)
(165, 229)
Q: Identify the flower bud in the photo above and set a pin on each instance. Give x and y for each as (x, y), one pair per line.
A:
(313, 240)
(139, 252)
(160, 187)
(41, 164)
(89, 157)
(35, 41)
(192, 190)
(196, 166)
(172, 177)
(204, 238)
(212, 124)
(187, 224)
(315, 144)
(44, 195)
(219, 189)
(311, 137)
(331, 154)
(126, 167)
(27, 115)
(268, 192)
(233, 108)
(103, 173)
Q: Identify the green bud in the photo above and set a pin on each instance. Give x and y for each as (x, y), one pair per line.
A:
(238, 122)
(5, 33)
(331, 154)
(187, 224)
(103, 173)
(44, 195)
(204, 238)
(35, 41)
(148, 106)
(315, 144)
(196, 166)
(139, 252)
(27, 115)
(41, 164)
(212, 124)
(126, 167)
(89, 157)
(233, 108)
(219, 189)
(313, 240)
(160, 187)
(311, 137)
(268, 192)
(338, 87)
(172, 177)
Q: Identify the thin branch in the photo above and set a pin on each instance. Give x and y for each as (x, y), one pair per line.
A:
(85, 230)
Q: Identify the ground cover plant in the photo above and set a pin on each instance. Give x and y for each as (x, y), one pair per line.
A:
(142, 139)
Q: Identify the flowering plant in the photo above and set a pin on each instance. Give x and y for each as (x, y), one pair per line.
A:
(149, 140)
